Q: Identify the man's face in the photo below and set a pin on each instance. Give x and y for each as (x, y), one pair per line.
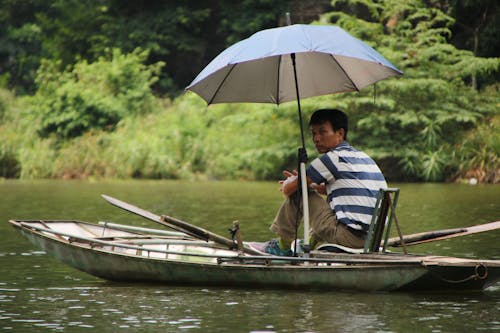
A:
(325, 138)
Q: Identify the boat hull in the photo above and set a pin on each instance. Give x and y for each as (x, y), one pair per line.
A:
(112, 264)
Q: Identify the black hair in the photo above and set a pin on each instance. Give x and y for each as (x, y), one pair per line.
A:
(337, 118)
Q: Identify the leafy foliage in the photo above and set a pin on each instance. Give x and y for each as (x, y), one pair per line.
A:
(93, 96)
(421, 136)
(97, 116)
(184, 34)
(477, 154)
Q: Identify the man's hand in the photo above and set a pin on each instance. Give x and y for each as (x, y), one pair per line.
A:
(289, 185)
(320, 188)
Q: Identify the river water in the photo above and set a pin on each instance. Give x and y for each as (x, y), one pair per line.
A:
(38, 294)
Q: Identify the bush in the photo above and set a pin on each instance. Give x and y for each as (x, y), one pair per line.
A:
(478, 154)
(93, 96)
(9, 165)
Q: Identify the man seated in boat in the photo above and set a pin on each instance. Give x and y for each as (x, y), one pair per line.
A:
(348, 177)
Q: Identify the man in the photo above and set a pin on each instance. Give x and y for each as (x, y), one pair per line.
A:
(349, 178)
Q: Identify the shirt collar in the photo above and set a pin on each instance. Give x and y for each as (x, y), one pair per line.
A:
(343, 144)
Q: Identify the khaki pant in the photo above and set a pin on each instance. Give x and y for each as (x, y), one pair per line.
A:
(324, 225)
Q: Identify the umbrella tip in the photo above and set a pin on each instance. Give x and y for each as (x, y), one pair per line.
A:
(288, 19)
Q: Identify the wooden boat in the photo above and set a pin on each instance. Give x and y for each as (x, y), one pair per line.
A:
(117, 252)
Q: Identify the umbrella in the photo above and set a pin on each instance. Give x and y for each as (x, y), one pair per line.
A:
(289, 63)
(259, 68)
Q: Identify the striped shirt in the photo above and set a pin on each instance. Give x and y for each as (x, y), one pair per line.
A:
(352, 181)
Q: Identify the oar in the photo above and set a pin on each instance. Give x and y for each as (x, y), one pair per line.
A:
(436, 235)
(177, 224)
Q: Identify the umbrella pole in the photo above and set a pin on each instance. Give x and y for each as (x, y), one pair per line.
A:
(305, 204)
(302, 157)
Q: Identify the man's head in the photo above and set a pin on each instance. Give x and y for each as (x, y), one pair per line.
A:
(328, 129)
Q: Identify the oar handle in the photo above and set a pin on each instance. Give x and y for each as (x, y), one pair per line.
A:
(436, 235)
(424, 236)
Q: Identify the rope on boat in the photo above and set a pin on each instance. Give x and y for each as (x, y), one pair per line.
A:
(476, 276)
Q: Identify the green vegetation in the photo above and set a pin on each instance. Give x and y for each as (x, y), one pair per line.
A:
(97, 93)
(421, 119)
(93, 96)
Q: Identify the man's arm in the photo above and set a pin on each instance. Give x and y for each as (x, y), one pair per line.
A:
(290, 185)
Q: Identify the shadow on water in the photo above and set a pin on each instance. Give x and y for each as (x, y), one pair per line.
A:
(39, 294)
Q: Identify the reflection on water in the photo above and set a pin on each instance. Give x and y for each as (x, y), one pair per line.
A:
(114, 307)
(37, 294)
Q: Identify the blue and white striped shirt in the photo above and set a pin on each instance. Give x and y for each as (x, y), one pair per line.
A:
(352, 181)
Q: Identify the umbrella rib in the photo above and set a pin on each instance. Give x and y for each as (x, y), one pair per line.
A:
(221, 84)
(278, 82)
(347, 76)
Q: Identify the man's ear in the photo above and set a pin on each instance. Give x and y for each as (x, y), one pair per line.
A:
(342, 132)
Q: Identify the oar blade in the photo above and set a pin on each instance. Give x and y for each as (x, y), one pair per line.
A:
(144, 213)
(176, 224)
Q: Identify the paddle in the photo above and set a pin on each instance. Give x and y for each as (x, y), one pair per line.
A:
(431, 236)
(178, 225)
(200, 233)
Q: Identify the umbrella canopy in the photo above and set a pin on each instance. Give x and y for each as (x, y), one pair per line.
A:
(259, 69)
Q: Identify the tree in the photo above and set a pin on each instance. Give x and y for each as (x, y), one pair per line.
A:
(184, 34)
(422, 116)
(20, 44)
(476, 26)
(476, 29)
